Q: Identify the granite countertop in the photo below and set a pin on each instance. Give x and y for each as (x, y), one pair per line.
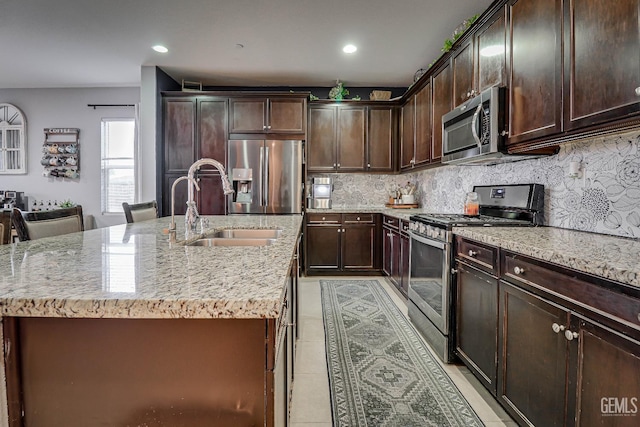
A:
(397, 213)
(615, 258)
(132, 271)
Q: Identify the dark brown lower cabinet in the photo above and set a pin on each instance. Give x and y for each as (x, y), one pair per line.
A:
(342, 243)
(477, 323)
(395, 252)
(533, 359)
(555, 346)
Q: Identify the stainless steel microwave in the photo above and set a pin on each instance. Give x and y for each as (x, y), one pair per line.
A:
(473, 132)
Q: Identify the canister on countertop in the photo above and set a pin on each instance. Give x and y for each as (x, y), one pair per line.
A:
(471, 205)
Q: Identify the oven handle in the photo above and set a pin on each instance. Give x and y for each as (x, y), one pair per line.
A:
(427, 241)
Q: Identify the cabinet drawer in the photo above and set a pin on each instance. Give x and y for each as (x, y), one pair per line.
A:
(584, 293)
(404, 226)
(482, 256)
(391, 222)
(358, 218)
(323, 218)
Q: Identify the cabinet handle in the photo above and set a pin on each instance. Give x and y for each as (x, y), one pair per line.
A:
(388, 234)
(264, 127)
(557, 328)
(570, 336)
(472, 253)
(454, 271)
(323, 218)
(358, 219)
(343, 230)
(518, 270)
(334, 165)
(338, 164)
(339, 230)
(638, 91)
(269, 127)
(368, 165)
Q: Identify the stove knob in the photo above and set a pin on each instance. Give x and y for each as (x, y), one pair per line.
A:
(422, 229)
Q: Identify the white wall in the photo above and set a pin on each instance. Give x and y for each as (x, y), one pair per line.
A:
(46, 108)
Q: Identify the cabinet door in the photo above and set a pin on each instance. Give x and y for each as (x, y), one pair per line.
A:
(287, 115)
(423, 125)
(490, 45)
(247, 115)
(180, 196)
(608, 387)
(351, 138)
(442, 104)
(602, 70)
(396, 256)
(477, 323)
(210, 199)
(323, 247)
(387, 251)
(532, 359)
(321, 146)
(407, 136)
(212, 129)
(358, 245)
(535, 98)
(380, 139)
(462, 62)
(404, 264)
(179, 134)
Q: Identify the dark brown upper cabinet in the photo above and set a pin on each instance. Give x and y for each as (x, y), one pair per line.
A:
(350, 138)
(602, 63)
(535, 70)
(442, 104)
(490, 52)
(462, 62)
(179, 133)
(408, 133)
(283, 115)
(416, 131)
(381, 138)
(423, 149)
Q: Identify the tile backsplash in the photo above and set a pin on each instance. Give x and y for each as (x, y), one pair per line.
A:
(606, 199)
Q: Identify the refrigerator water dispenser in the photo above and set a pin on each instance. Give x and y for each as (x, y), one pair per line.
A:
(242, 180)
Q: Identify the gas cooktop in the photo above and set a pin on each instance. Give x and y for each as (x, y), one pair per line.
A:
(453, 220)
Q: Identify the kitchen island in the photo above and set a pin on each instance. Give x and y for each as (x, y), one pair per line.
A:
(118, 326)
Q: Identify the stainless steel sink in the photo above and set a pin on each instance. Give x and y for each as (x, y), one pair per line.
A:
(235, 241)
(249, 233)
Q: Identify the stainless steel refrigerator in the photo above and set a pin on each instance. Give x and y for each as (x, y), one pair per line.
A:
(266, 176)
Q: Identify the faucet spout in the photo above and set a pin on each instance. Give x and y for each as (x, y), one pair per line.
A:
(192, 213)
(172, 226)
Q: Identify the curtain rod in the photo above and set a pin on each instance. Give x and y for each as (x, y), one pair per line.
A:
(110, 105)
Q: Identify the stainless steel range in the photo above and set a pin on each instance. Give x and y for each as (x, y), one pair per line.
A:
(431, 296)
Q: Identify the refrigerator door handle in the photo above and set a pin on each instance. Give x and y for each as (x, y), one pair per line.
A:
(261, 175)
(267, 166)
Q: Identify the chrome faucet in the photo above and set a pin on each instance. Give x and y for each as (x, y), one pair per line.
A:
(172, 226)
(191, 216)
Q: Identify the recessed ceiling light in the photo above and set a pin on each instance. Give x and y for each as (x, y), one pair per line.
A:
(160, 48)
(349, 48)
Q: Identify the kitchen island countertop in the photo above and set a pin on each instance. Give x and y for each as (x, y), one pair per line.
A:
(132, 271)
(611, 257)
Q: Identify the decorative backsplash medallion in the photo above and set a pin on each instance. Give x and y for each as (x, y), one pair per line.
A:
(606, 199)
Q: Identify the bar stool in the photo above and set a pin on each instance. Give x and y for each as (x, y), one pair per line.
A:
(140, 211)
(36, 225)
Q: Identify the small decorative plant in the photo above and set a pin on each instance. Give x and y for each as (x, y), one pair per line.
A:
(458, 32)
(67, 204)
(338, 92)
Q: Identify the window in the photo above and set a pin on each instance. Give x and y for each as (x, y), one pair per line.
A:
(119, 148)
(12, 140)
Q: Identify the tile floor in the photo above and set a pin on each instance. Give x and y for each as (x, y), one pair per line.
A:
(311, 407)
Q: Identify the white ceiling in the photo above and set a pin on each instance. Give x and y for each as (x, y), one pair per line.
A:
(96, 43)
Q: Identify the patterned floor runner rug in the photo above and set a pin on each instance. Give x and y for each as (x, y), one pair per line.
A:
(380, 372)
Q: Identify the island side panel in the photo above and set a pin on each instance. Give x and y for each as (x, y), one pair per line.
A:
(94, 372)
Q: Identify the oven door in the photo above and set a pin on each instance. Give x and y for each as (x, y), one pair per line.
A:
(429, 279)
